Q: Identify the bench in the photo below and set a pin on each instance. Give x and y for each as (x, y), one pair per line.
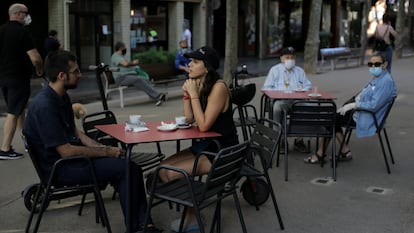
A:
(334, 55)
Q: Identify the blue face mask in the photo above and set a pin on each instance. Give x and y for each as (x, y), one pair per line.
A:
(375, 71)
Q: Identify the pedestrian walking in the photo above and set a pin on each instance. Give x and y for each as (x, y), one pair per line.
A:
(18, 55)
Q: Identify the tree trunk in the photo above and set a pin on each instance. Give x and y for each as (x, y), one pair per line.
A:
(230, 58)
(312, 40)
(364, 29)
(399, 27)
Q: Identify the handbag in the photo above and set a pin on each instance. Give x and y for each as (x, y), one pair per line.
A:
(380, 44)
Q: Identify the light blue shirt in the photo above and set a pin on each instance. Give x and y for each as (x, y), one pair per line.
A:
(376, 96)
(277, 75)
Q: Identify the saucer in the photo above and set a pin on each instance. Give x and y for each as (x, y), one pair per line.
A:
(186, 126)
(167, 127)
(314, 95)
(300, 90)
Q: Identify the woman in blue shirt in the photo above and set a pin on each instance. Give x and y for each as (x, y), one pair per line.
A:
(375, 96)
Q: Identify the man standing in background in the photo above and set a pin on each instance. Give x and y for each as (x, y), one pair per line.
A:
(187, 33)
(18, 55)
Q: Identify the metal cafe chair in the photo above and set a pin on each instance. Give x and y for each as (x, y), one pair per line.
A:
(264, 143)
(380, 127)
(191, 192)
(310, 118)
(146, 160)
(48, 190)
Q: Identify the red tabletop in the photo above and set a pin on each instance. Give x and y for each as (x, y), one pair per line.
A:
(297, 95)
(153, 134)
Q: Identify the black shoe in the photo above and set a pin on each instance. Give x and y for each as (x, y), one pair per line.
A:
(301, 147)
(161, 99)
(10, 155)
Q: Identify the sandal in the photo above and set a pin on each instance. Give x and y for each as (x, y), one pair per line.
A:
(345, 156)
(310, 159)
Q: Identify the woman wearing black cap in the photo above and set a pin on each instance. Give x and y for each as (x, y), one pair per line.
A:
(207, 104)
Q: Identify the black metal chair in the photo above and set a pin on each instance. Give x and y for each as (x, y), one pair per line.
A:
(48, 190)
(245, 118)
(380, 127)
(264, 144)
(191, 192)
(310, 118)
(146, 160)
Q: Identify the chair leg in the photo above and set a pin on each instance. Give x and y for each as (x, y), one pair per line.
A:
(42, 209)
(82, 203)
(239, 212)
(101, 209)
(121, 97)
(272, 194)
(389, 146)
(384, 153)
(32, 211)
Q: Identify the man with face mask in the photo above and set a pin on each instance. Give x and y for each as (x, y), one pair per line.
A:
(181, 62)
(127, 74)
(286, 76)
(18, 55)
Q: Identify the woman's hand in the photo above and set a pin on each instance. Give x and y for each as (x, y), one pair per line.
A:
(192, 87)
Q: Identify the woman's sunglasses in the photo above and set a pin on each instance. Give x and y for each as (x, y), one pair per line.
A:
(376, 64)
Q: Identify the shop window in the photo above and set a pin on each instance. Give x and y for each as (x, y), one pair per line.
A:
(148, 27)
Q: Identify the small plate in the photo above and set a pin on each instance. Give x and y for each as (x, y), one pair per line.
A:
(300, 90)
(167, 127)
(314, 95)
(186, 126)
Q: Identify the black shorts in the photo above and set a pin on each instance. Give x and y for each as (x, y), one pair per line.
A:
(16, 94)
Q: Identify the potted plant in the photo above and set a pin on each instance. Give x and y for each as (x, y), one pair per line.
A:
(158, 63)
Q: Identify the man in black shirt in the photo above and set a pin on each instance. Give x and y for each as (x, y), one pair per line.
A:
(18, 55)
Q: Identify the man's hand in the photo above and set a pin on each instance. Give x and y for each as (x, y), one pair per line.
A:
(115, 152)
(346, 108)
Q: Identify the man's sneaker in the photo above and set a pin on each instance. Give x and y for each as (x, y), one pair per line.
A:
(161, 99)
(301, 147)
(10, 155)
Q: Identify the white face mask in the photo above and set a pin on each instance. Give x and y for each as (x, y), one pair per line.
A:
(27, 20)
(289, 64)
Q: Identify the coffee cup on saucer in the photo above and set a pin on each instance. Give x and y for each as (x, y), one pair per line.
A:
(135, 119)
(181, 120)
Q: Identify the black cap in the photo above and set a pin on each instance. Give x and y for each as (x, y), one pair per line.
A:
(288, 51)
(206, 54)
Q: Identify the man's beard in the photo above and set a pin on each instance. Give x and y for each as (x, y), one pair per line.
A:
(70, 86)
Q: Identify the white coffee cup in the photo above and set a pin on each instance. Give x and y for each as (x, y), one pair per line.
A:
(181, 120)
(135, 119)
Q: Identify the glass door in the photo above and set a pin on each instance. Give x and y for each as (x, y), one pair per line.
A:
(92, 41)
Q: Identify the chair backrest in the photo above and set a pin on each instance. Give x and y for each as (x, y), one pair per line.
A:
(32, 154)
(384, 119)
(99, 118)
(315, 113)
(225, 168)
(266, 139)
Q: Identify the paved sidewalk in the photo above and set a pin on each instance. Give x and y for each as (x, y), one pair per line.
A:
(344, 206)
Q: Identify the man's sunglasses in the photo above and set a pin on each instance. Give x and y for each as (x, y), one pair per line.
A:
(376, 64)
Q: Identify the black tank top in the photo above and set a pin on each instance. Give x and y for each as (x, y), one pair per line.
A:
(224, 125)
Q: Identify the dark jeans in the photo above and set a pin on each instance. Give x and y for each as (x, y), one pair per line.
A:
(111, 170)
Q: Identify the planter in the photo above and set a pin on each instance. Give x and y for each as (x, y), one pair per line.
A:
(159, 71)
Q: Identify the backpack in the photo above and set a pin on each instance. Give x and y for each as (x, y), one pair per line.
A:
(380, 44)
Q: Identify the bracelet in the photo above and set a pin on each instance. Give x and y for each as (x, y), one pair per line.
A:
(186, 97)
(194, 98)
